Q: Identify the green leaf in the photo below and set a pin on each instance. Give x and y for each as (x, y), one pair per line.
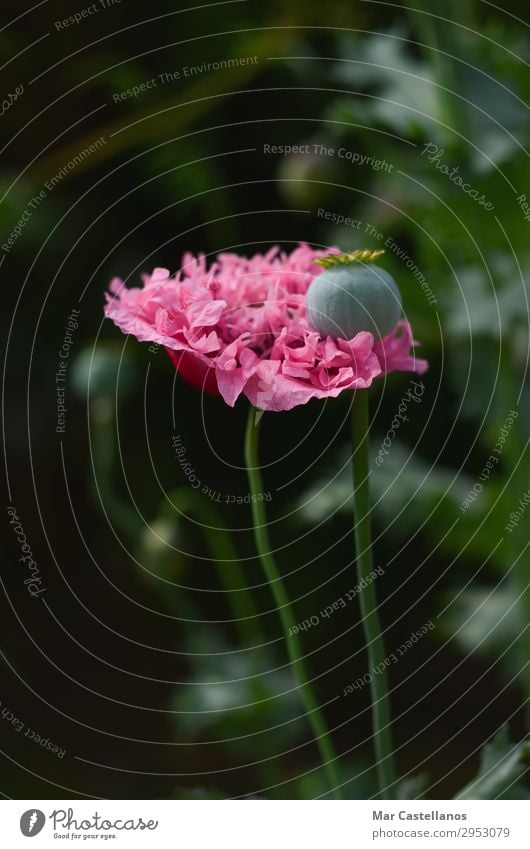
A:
(502, 766)
(488, 620)
(413, 786)
(405, 488)
(238, 697)
(360, 782)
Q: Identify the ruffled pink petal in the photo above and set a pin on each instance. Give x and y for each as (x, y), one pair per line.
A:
(394, 351)
(205, 313)
(232, 376)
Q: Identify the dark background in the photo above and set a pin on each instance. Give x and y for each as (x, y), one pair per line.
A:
(122, 661)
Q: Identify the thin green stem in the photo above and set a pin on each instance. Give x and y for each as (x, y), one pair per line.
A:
(368, 601)
(103, 456)
(230, 572)
(294, 648)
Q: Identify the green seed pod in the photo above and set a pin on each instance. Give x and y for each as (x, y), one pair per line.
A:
(350, 296)
(99, 371)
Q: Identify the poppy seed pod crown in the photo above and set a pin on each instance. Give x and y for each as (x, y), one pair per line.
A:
(351, 296)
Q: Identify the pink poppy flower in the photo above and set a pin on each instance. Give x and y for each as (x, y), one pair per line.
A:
(240, 327)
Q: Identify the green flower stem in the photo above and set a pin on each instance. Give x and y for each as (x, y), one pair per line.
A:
(229, 569)
(294, 648)
(368, 601)
(103, 456)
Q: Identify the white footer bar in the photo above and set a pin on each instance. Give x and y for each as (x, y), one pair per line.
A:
(257, 824)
